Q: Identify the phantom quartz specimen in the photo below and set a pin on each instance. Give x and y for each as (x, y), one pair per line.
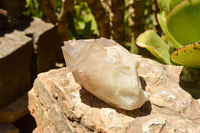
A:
(107, 70)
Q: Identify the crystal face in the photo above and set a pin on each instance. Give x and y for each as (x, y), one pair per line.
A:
(107, 70)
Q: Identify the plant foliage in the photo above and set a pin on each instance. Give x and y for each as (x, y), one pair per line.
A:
(179, 20)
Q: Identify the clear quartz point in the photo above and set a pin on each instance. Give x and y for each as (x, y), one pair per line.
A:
(107, 70)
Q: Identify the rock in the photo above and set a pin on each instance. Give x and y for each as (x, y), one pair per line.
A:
(59, 104)
(15, 66)
(23, 54)
(15, 110)
(46, 43)
(8, 128)
(112, 73)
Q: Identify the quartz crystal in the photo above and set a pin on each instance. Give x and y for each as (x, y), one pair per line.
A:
(107, 70)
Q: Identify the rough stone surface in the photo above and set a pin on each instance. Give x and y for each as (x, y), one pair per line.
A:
(15, 66)
(59, 104)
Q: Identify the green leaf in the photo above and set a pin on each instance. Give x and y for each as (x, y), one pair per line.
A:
(82, 23)
(28, 3)
(174, 3)
(151, 41)
(187, 56)
(161, 20)
(183, 22)
(163, 6)
(132, 45)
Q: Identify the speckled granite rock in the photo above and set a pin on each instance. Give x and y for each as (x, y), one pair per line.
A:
(59, 104)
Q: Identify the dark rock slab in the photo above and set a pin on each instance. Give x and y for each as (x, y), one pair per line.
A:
(15, 110)
(15, 66)
(23, 54)
(46, 44)
(8, 128)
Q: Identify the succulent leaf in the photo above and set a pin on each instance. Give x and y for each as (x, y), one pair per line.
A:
(152, 42)
(174, 3)
(161, 20)
(183, 22)
(187, 56)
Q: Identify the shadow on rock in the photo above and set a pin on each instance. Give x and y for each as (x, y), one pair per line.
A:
(94, 102)
(190, 81)
(191, 87)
